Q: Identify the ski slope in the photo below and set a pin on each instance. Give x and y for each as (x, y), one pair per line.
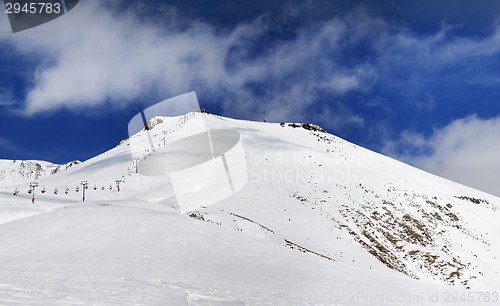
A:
(318, 220)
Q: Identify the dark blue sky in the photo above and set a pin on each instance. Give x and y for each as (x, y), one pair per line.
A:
(400, 77)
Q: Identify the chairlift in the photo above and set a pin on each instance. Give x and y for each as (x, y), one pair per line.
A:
(55, 191)
(44, 190)
(102, 188)
(77, 188)
(67, 190)
(95, 187)
(16, 191)
(110, 187)
(29, 191)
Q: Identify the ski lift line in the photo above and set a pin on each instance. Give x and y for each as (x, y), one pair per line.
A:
(66, 189)
(85, 185)
(32, 191)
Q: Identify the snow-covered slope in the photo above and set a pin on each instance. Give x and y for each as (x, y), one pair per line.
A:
(319, 221)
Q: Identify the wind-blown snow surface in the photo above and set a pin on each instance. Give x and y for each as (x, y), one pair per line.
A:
(320, 221)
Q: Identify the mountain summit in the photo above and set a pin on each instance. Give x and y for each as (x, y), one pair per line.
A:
(205, 209)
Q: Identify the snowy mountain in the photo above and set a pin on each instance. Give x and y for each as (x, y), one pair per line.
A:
(25, 171)
(202, 209)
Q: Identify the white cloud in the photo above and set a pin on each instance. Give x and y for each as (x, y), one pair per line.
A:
(93, 56)
(467, 151)
(100, 55)
(114, 57)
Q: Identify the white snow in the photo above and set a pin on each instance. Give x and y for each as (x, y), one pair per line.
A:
(319, 221)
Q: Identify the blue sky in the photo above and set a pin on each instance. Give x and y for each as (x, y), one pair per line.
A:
(416, 80)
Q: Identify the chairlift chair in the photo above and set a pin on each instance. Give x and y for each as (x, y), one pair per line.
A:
(44, 190)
